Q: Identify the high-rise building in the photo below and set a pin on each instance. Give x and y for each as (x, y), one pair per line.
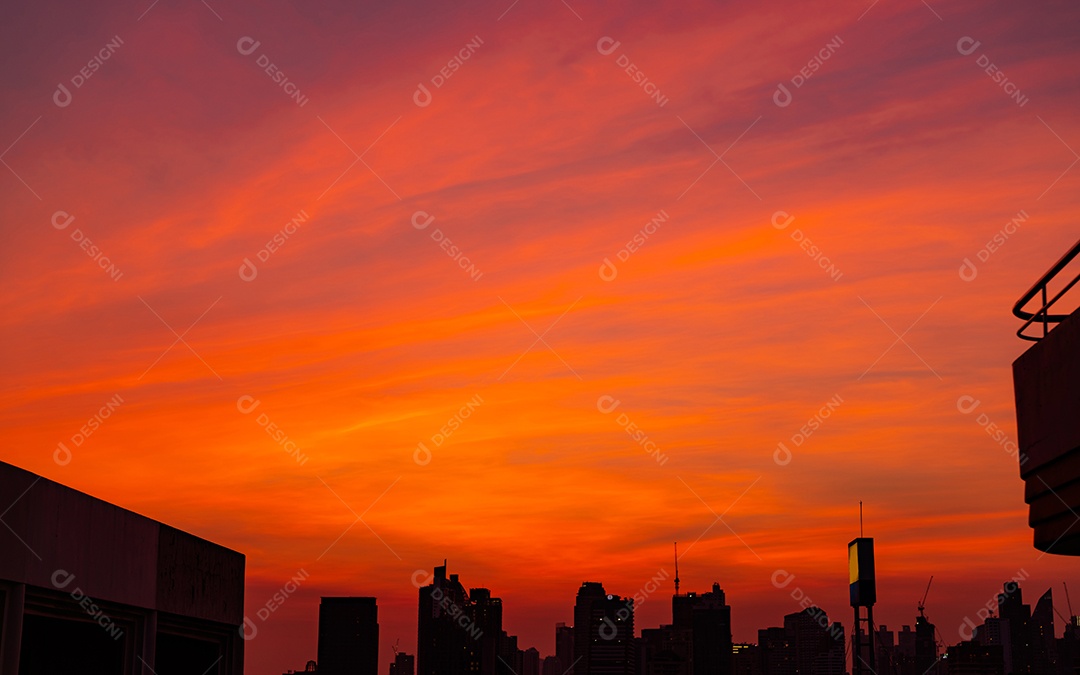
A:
(777, 655)
(885, 647)
(818, 644)
(404, 664)
(681, 608)
(348, 636)
(710, 621)
(530, 662)
(973, 658)
(603, 632)
(564, 648)
(1011, 607)
(745, 659)
(551, 666)
(665, 651)
(486, 615)
(995, 632)
(808, 644)
(509, 657)
(444, 627)
(926, 653)
(1068, 647)
(1044, 657)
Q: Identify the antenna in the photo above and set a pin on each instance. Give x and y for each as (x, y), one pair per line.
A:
(676, 568)
(860, 518)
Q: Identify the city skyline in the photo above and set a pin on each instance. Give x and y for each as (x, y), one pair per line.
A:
(658, 594)
(697, 638)
(540, 289)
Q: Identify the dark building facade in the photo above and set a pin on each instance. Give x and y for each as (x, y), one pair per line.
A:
(1046, 380)
(564, 648)
(603, 632)
(808, 644)
(443, 627)
(89, 587)
(484, 653)
(404, 664)
(348, 636)
(665, 650)
(1025, 638)
(711, 634)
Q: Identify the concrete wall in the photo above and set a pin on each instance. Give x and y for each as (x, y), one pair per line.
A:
(70, 556)
(1047, 383)
(115, 554)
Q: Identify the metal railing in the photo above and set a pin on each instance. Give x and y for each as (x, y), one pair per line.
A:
(1042, 314)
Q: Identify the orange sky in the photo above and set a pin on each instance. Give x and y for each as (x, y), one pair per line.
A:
(539, 158)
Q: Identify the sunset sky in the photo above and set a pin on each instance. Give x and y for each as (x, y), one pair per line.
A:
(792, 260)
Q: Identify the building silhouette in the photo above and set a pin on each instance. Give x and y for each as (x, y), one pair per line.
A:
(551, 666)
(603, 632)
(1016, 640)
(711, 634)
(510, 658)
(885, 646)
(404, 664)
(1046, 381)
(564, 648)
(530, 662)
(309, 667)
(666, 650)
(348, 636)
(808, 644)
(746, 659)
(1024, 639)
(89, 587)
(972, 658)
(776, 653)
(485, 613)
(443, 627)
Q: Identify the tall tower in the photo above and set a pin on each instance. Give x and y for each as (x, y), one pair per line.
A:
(348, 636)
(710, 622)
(443, 627)
(486, 614)
(862, 587)
(603, 632)
(564, 648)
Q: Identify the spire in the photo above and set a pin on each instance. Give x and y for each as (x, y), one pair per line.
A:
(676, 568)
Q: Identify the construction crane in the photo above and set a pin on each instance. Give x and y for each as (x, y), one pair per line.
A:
(922, 603)
(676, 568)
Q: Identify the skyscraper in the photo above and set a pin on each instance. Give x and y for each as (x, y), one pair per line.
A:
(710, 621)
(530, 662)
(603, 632)
(665, 651)
(564, 648)
(926, 653)
(486, 614)
(1041, 635)
(807, 644)
(404, 664)
(348, 636)
(1012, 608)
(444, 627)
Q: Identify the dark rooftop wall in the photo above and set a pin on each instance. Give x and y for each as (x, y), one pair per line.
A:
(114, 554)
(1047, 382)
